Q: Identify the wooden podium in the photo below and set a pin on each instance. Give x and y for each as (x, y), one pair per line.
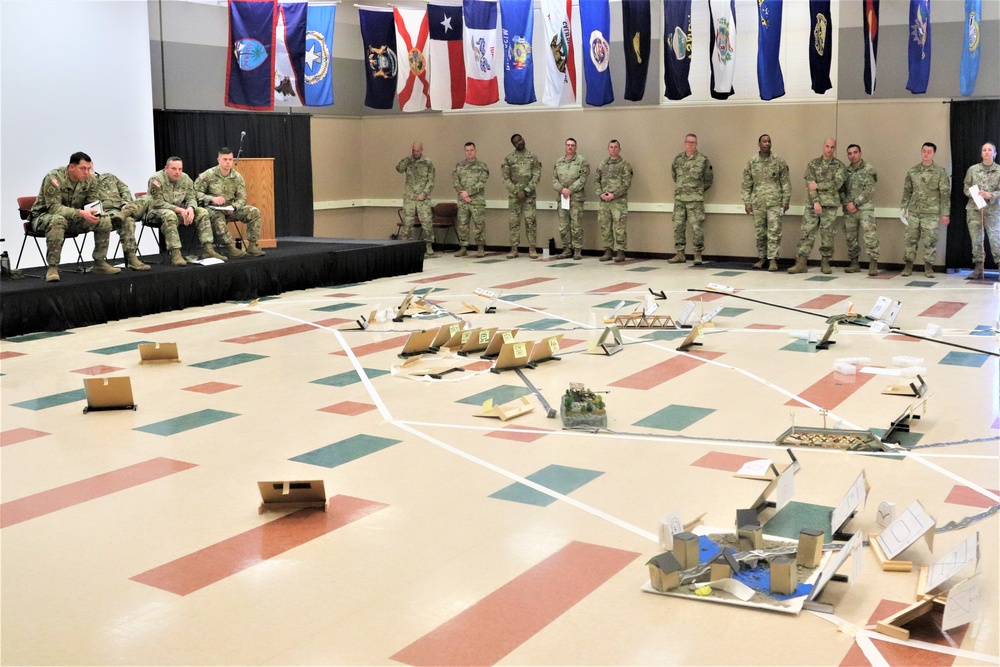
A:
(258, 172)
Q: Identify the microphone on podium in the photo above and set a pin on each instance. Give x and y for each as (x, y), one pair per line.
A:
(240, 151)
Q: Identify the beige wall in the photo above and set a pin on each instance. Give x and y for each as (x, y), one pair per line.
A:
(361, 201)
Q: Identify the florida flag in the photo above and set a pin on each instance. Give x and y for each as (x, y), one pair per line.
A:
(411, 39)
(481, 86)
(560, 66)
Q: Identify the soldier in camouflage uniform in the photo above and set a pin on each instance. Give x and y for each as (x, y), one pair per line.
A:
(825, 177)
(692, 174)
(469, 179)
(417, 194)
(224, 186)
(521, 171)
(925, 206)
(611, 183)
(114, 195)
(986, 175)
(172, 199)
(569, 178)
(858, 196)
(59, 208)
(766, 194)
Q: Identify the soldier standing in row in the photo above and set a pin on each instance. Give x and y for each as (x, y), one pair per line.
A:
(469, 179)
(925, 206)
(569, 178)
(521, 171)
(612, 182)
(825, 177)
(223, 193)
(859, 205)
(766, 194)
(986, 176)
(61, 207)
(114, 195)
(417, 194)
(693, 176)
(172, 199)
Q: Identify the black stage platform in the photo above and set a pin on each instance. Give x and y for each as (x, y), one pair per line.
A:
(30, 305)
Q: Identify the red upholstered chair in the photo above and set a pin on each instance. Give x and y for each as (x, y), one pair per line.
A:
(24, 205)
(443, 216)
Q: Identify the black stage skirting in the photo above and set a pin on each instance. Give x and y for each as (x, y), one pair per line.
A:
(30, 305)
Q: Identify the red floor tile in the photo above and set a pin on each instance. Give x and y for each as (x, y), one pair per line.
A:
(340, 295)
(437, 279)
(10, 355)
(499, 623)
(97, 370)
(479, 366)
(372, 348)
(195, 321)
(286, 331)
(705, 297)
(505, 434)
(224, 559)
(902, 337)
(963, 495)
(926, 629)
(16, 435)
(617, 287)
(832, 390)
(822, 302)
(212, 387)
(944, 309)
(522, 283)
(723, 461)
(765, 326)
(659, 373)
(349, 408)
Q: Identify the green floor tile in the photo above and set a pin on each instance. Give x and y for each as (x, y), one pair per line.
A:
(970, 359)
(517, 297)
(821, 279)
(800, 345)
(728, 274)
(226, 362)
(540, 325)
(41, 335)
(124, 347)
(674, 417)
(504, 393)
(348, 377)
(561, 479)
(345, 451)
(795, 517)
(611, 304)
(53, 400)
(905, 439)
(561, 265)
(491, 261)
(424, 290)
(338, 306)
(186, 422)
(921, 283)
(666, 334)
(982, 330)
(733, 312)
(641, 269)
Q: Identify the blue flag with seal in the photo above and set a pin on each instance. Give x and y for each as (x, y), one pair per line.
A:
(636, 34)
(820, 45)
(518, 24)
(677, 48)
(595, 24)
(319, 50)
(919, 55)
(970, 46)
(378, 37)
(770, 81)
(250, 64)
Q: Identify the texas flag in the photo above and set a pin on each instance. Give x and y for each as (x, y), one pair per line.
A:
(411, 39)
(445, 51)
(481, 87)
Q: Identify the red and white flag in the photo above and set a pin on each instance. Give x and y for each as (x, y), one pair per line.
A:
(481, 86)
(412, 86)
(445, 51)
(560, 65)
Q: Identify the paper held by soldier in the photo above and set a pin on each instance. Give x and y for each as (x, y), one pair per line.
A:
(94, 207)
(977, 197)
(221, 208)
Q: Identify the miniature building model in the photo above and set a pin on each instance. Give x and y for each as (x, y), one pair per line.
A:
(784, 577)
(686, 549)
(664, 572)
(810, 550)
(723, 566)
(751, 537)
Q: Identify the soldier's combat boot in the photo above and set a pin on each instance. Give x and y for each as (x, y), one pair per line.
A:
(102, 268)
(773, 266)
(253, 249)
(824, 265)
(854, 267)
(606, 257)
(907, 269)
(176, 258)
(872, 268)
(429, 252)
(679, 258)
(133, 262)
(481, 251)
(977, 273)
(532, 252)
(462, 252)
(697, 258)
(231, 250)
(208, 250)
(929, 270)
(513, 252)
(565, 254)
(52, 274)
(578, 254)
(759, 264)
(619, 257)
(800, 265)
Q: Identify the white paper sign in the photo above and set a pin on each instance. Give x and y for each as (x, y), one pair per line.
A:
(952, 562)
(756, 468)
(564, 202)
(669, 526)
(905, 530)
(850, 502)
(883, 515)
(785, 490)
(963, 604)
(977, 197)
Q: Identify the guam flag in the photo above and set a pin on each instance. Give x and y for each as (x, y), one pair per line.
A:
(378, 37)
(319, 62)
(250, 65)
(290, 54)
(677, 48)
(595, 23)
(723, 47)
(637, 29)
(481, 86)
(820, 45)
(870, 17)
(769, 79)
(970, 46)
(518, 63)
(920, 46)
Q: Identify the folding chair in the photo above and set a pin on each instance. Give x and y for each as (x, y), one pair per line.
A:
(24, 205)
(443, 216)
(155, 226)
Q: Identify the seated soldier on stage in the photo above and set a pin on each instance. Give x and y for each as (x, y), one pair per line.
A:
(223, 190)
(114, 195)
(172, 197)
(59, 208)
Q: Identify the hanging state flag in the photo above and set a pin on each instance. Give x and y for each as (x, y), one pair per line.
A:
(378, 36)
(770, 81)
(411, 37)
(595, 23)
(445, 51)
(970, 47)
(560, 64)
(517, 25)
(481, 86)
(250, 64)
(820, 45)
(723, 47)
(318, 62)
(920, 46)
(870, 10)
(677, 40)
(636, 29)
(290, 54)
